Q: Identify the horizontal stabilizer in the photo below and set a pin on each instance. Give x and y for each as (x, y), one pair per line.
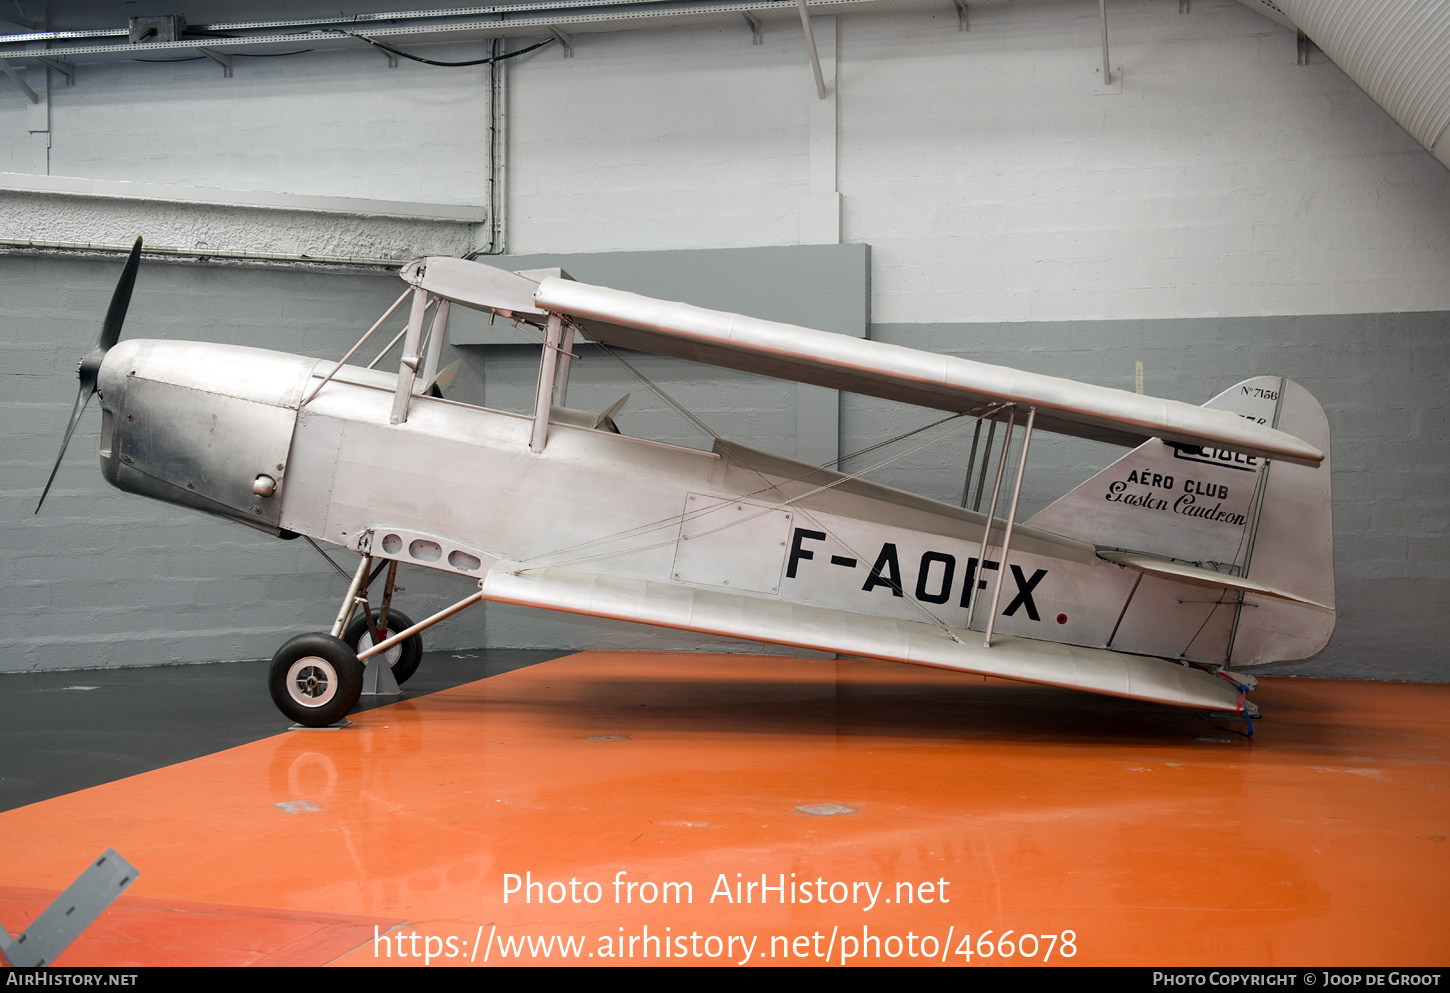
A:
(1183, 572)
(1095, 670)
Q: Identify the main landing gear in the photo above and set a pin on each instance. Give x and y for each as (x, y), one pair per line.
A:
(316, 679)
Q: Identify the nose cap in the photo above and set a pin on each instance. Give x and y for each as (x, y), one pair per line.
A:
(264, 485)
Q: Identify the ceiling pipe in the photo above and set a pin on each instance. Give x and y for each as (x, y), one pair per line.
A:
(1397, 51)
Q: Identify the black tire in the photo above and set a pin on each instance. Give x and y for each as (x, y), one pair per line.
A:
(404, 658)
(315, 680)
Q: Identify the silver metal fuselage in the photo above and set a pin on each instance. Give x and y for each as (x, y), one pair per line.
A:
(457, 488)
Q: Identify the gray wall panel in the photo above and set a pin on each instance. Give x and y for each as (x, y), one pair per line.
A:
(821, 286)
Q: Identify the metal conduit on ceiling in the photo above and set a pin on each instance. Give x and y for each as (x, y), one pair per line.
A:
(1397, 51)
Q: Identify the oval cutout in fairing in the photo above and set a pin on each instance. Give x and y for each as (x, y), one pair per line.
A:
(425, 551)
(462, 560)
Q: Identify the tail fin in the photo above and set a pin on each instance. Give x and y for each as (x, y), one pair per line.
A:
(1204, 505)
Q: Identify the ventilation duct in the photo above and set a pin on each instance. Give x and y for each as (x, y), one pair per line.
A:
(1398, 51)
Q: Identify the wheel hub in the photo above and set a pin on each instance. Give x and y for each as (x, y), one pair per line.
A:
(311, 682)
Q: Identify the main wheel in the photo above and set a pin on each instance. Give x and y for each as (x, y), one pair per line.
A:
(402, 658)
(315, 679)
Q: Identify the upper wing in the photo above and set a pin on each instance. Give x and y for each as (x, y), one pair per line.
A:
(873, 368)
(893, 372)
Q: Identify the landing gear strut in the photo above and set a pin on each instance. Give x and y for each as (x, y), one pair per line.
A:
(374, 628)
(316, 679)
(402, 658)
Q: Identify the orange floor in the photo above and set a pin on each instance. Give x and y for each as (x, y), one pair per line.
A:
(639, 791)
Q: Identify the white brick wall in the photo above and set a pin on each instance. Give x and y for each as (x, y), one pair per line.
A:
(990, 179)
(659, 139)
(327, 123)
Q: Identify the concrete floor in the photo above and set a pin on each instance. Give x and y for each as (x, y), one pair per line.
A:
(617, 808)
(66, 731)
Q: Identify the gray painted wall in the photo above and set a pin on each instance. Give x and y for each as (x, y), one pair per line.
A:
(102, 578)
(819, 286)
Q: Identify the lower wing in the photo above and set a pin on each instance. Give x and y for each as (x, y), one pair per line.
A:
(687, 608)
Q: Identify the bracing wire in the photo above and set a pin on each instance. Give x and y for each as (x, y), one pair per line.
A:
(678, 520)
(668, 400)
(790, 501)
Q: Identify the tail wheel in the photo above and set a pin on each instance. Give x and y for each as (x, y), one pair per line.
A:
(403, 658)
(315, 679)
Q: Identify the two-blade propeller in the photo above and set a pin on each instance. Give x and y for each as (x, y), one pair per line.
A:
(90, 368)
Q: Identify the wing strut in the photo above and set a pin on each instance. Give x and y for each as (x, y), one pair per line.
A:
(1253, 532)
(972, 464)
(408, 364)
(1011, 519)
(991, 507)
(561, 373)
(544, 396)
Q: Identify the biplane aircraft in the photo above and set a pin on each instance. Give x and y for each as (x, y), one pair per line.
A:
(1207, 547)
